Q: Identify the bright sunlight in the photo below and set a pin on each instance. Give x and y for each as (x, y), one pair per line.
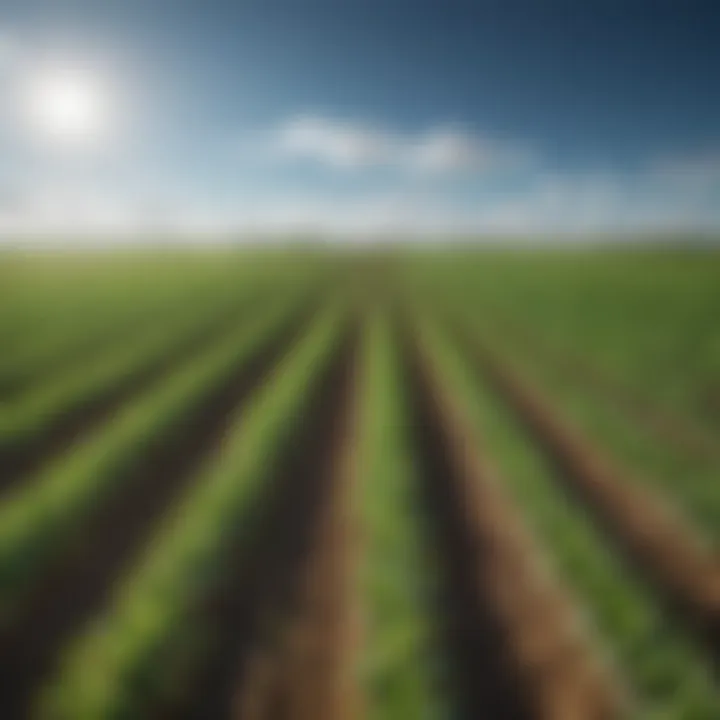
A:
(68, 106)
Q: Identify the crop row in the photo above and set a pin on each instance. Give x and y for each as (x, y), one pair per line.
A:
(457, 527)
(668, 673)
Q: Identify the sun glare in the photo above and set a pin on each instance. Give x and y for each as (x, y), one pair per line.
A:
(67, 106)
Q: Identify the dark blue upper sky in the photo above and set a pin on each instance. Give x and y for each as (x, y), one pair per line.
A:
(603, 88)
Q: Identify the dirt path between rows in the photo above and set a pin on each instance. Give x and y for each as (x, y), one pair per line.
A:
(306, 673)
(80, 582)
(660, 544)
(521, 652)
(277, 626)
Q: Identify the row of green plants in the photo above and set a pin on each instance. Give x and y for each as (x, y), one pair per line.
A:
(99, 308)
(38, 517)
(659, 465)
(74, 336)
(646, 319)
(685, 476)
(130, 657)
(401, 663)
(40, 407)
(668, 675)
(100, 304)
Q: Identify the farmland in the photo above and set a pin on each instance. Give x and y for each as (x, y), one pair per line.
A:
(305, 484)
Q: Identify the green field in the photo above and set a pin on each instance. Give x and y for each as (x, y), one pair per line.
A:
(405, 484)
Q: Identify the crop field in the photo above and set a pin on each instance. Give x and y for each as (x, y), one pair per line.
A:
(403, 484)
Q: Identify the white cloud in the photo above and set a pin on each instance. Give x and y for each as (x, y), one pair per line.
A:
(553, 203)
(353, 146)
(450, 150)
(65, 210)
(343, 145)
(666, 193)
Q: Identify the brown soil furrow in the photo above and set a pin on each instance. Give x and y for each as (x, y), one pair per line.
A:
(483, 680)
(291, 565)
(306, 675)
(77, 586)
(557, 673)
(662, 546)
(28, 456)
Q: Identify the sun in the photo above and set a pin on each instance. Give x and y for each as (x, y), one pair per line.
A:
(67, 106)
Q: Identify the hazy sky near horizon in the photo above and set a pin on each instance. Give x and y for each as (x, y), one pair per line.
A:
(375, 115)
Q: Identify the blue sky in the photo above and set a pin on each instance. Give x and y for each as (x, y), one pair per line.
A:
(364, 116)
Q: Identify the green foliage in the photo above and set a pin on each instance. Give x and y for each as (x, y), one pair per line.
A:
(669, 675)
(647, 322)
(37, 517)
(120, 667)
(401, 671)
(73, 326)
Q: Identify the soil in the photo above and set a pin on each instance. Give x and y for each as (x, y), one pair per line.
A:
(282, 571)
(545, 665)
(307, 673)
(647, 530)
(485, 682)
(79, 584)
